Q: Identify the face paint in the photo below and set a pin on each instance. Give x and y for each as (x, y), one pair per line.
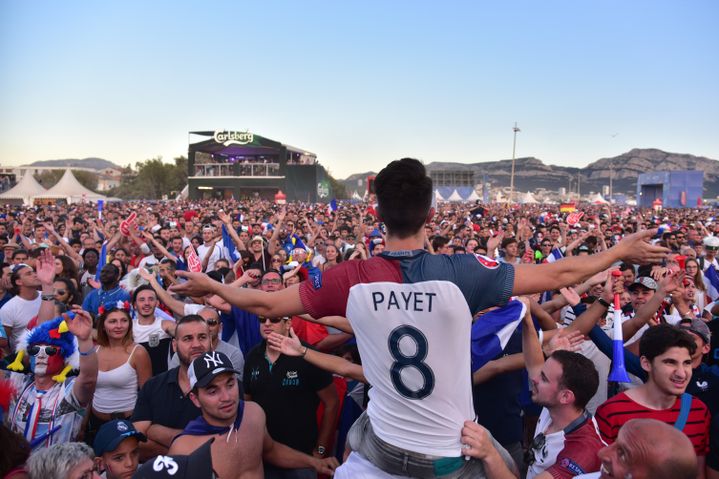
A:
(44, 365)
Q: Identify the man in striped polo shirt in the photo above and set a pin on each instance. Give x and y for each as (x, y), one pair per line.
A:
(666, 353)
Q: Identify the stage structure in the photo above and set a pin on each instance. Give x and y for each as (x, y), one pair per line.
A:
(676, 189)
(240, 164)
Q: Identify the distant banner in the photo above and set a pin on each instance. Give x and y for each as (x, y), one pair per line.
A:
(193, 261)
(125, 224)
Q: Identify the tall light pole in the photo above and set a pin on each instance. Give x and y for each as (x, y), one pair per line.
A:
(514, 149)
(611, 174)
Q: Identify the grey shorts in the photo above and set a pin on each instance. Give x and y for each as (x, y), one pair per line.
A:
(400, 462)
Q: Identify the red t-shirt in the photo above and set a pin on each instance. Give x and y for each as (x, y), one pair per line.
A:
(615, 412)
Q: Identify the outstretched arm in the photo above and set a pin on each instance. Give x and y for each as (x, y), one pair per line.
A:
(634, 248)
(285, 302)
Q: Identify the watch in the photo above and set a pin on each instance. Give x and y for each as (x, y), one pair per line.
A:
(603, 302)
(321, 450)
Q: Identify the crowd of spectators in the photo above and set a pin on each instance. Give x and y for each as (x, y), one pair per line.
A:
(107, 367)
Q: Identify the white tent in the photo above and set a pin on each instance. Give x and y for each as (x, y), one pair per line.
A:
(599, 200)
(473, 196)
(528, 198)
(438, 196)
(356, 196)
(455, 196)
(25, 190)
(70, 190)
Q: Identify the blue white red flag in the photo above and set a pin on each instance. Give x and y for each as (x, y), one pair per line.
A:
(491, 332)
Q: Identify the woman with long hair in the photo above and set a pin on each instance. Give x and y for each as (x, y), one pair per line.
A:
(123, 369)
(65, 292)
(65, 267)
(694, 272)
(332, 256)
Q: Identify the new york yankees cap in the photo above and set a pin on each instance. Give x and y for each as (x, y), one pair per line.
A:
(197, 465)
(207, 367)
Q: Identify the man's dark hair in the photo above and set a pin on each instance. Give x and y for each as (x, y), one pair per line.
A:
(508, 241)
(404, 196)
(578, 375)
(271, 271)
(19, 252)
(626, 267)
(90, 250)
(439, 242)
(658, 339)
(190, 318)
(141, 288)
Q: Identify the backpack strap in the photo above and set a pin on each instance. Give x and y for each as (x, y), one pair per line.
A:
(686, 406)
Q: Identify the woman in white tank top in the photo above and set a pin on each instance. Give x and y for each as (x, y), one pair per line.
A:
(123, 369)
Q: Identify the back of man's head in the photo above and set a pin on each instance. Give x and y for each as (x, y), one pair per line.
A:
(404, 196)
(659, 339)
(578, 375)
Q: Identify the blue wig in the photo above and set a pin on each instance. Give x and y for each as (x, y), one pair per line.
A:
(48, 333)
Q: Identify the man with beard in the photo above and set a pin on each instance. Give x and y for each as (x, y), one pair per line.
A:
(109, 293)
(215, 390)
(163, 407)
(666, 355)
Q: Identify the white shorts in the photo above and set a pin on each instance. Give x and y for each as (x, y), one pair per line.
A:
(357, 467)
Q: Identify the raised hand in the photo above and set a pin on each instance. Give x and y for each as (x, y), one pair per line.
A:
(81, 324)
(571, 296)
(571, 341)
(197, 284)
(636, 248)
(46, 267)
(224, 217)
(287, 345)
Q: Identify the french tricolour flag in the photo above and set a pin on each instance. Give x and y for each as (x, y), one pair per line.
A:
(491, 332)
(555, 255)
(711, 281)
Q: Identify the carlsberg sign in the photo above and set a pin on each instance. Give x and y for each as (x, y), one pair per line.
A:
(228, 138)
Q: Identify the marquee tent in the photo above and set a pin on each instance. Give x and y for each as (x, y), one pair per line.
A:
(473, 196)
(26, 189)
(70, 190)
(455, 196)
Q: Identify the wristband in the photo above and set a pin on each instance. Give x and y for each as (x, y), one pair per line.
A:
(604, 302)
(92, 350)
(48, 297)
(304, 352)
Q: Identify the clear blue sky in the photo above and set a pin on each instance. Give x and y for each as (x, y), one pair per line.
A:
(359, 83)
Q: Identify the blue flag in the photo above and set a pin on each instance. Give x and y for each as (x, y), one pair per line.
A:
(711, 281)
(103, 260)
(491, 332)
(229, 244)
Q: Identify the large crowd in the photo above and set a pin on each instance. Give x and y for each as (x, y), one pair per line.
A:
(250, 339)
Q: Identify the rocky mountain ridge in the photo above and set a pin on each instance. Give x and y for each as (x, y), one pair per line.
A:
(531, 173)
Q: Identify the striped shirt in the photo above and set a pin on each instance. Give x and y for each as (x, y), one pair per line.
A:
(618, 410)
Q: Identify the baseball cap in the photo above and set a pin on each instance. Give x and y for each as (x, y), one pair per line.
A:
(197, 465)
(645, 281)
(207, 367)
(698, 327)
(112, 433)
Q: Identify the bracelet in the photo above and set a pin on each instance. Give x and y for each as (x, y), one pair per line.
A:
(304, 352)
(603, 302)
(92, 350)
(48, 297)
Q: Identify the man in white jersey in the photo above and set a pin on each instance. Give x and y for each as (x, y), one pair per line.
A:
(412, 312)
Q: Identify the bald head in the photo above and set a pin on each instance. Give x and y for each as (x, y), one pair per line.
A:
(649, 449)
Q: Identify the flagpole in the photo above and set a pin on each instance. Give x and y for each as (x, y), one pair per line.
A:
(514, 149)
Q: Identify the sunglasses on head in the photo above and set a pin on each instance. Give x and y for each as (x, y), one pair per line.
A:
(49, 350)
(272, 320)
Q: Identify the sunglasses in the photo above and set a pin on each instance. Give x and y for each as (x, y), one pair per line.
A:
(60, 291)
(537, 445)
(271, 320)
(212, 322)
(276, 260)
(272, 281)
(49, 350)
